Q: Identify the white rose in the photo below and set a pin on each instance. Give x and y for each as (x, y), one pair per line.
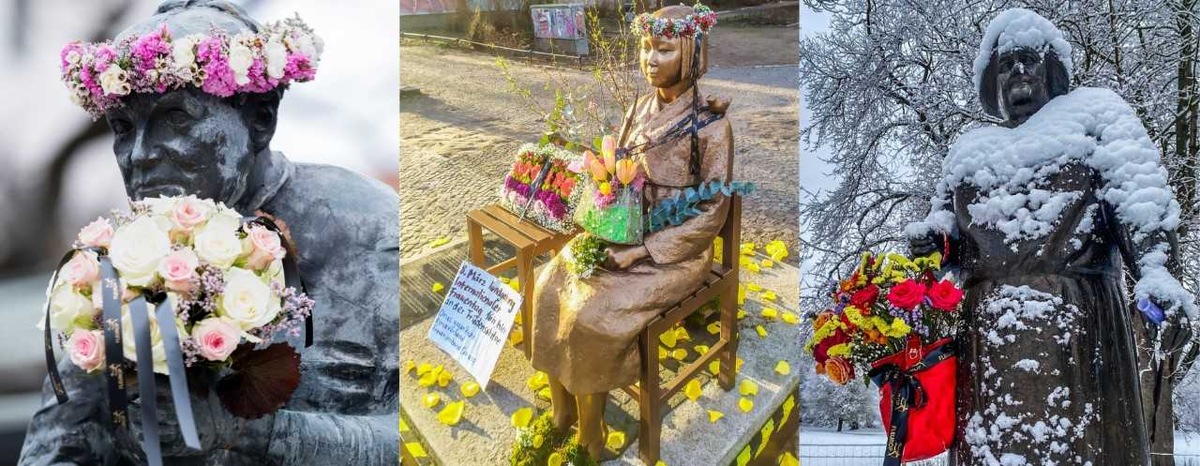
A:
(276, 56)
(240, 59)
(183, 52)
(73, 57)
(217, 242)
(137, 248)
(68, 310)
(112, 80)
(157, 349)
(247, 300)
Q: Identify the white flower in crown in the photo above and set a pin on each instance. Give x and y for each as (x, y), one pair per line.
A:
(241, 58)
(247, 300)
(138, 247)
(113, 80)
(275, 54)
(183, 52)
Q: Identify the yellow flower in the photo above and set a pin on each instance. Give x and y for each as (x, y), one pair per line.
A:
(898, 329)
(521, 417)
(616, 440)
(605, 188)
(538, 380)
(840, 350)
(555, 459)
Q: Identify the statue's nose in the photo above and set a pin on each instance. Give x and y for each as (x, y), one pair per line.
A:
(143, 152)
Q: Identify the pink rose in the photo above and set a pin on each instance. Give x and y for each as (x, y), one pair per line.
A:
(264, 247)
(178, 270)
(216, 338)
(82, 270)
(97, 234)
(87, 349)
(188, 213)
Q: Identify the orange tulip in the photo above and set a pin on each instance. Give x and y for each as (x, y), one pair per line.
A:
(626, 171)
(595, 166)
(608, 149)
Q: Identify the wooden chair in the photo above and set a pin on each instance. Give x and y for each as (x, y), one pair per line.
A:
(530, 241)
(720, 285)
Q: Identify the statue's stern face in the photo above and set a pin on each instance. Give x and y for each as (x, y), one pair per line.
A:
(181, 142)
(1023, 83)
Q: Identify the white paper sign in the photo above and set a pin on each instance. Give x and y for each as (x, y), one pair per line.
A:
(473, 323)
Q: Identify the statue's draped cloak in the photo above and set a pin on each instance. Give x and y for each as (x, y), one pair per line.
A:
(585, 329)
(345, 410)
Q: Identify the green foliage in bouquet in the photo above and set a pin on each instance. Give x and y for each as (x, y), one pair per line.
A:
(684, 205)
(535, 443)
(587, 253)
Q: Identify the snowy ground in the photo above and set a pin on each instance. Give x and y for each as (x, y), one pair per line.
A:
(824, 447)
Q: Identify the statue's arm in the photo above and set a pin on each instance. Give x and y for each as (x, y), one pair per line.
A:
(938, 232)
(72, 433)
(689, 239)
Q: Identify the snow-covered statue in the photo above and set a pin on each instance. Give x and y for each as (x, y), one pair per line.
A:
(1043, 215)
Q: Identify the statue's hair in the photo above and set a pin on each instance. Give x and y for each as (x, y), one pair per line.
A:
(1058, 82)
(234, 10)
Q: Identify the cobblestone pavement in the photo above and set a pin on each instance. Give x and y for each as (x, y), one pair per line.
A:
(459, 133)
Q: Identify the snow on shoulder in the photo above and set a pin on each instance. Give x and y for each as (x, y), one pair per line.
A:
(1017, 28)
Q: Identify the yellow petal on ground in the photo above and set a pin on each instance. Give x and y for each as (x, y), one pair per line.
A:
(714, 328)
(746, 405)
(754, 287)
(787, 459)
(741, 314)
(427, 380)
(769, 295)
(416, 450)
(424, 368)
(663, 353)
(762, 332)
(661, 462)
(783, 368)
(452, 413)
(538, 380)
(748, 388)
(515, 284)
(409, 366)
(444, 378)
(555, 459)
(521, 417)
(438, 242)
(747, 248)
(437, 287)
(790, 318)
(701, 349)
(692, 389)
(714, 367)
(679, 354)
(469, 389)
(517, 319)
(403, 426)
(544, 393)
(681, 334)
(503, 280)
(615, 440)
(741, 295)
(767, 263)
(770, 313)
(668, 339)
(738, 364)
(516, 337)
(431, 400)
(753, 267)
(714, 416)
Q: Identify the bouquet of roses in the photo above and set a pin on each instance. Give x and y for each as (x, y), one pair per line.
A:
(894, 321)
(612, 207)
(178, 285)
(541, 186)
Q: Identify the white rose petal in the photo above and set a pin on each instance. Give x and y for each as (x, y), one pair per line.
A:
(137, 249)
(157, 349)
(217, 242)
(68, 310)
(112, 80)
(240, 59)
(183, 52)
(247, 301)
(276, 56)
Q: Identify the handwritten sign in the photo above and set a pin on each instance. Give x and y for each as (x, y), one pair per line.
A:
(473, 323)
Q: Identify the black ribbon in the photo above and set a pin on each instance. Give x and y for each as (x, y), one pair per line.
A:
(139, 315)
(114, 352)
(907, 394)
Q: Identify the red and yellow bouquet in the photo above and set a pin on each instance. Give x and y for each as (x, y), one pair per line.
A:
(894, 320)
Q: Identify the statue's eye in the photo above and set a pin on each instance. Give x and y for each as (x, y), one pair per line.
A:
(178, 117)
(120, 127)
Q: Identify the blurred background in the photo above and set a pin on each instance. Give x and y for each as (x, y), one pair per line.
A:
(57, 170)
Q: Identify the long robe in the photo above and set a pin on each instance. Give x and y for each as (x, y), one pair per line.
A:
(585, 330)
(1044, 219)
(345, 410)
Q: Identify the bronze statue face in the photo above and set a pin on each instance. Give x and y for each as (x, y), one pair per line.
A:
(661, 61)
(182, 142)
(1022, 83)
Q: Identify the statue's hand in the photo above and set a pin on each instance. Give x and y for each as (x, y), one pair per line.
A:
(924, 245)
(621, 257)
(216, 427)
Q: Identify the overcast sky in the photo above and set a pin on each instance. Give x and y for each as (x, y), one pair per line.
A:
(813, 170)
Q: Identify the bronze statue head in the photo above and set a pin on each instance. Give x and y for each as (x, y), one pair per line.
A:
(669, 62)
(186, 141)
(1017, 83)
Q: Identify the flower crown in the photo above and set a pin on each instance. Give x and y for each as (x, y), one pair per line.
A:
(699, 22)
(99, 75)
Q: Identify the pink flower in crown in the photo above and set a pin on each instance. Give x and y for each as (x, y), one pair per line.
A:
(82, 270)
(263, 247)
(97, 234)
(216, 338)
(178, 270)
(87, 349)
(218, 76)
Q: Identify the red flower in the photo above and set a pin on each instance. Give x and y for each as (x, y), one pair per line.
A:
(906, 295)
(821, 350)
(945, 295)
(864, 298)
(839, 370)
